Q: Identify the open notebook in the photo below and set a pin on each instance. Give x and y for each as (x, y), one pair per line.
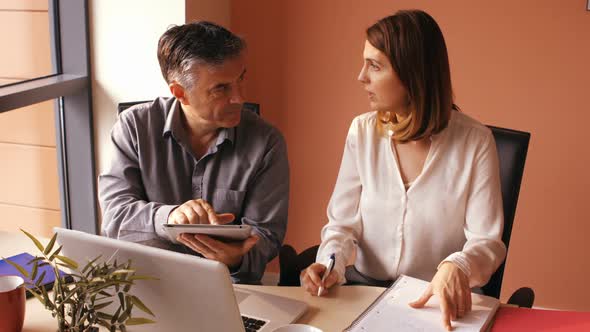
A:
(391, 312)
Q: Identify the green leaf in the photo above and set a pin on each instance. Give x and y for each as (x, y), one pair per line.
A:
(63, 265)
(79, 278)
(40, 280)
(35, 270)
(68, 261)
(128, 304)
(35, 241)
(102, 305)
(123, 317)
(56, 289)
(17, 266)
(121, 300)
(140, 305)
(50, 245)
(103, 315)
(37, 296)
(95, 290)
(138, 321)
(103, 293)
(84, 317)
(48, 303)
(90, 264)
(116, 316)
(55, 253)
(70, 293)
(36, 259)
(123, 271)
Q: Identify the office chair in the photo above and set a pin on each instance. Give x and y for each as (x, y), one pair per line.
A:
(125, 105)
(512, 147)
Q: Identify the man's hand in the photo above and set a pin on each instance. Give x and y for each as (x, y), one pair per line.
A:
(311, 279)
(228, 253)
(452, 287)
(197, 211)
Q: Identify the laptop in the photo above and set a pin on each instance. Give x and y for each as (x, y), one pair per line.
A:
(193, 294)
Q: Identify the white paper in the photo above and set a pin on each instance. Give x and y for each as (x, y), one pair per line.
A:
(393, 313)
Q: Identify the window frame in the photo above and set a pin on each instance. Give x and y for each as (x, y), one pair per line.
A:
(71, 89)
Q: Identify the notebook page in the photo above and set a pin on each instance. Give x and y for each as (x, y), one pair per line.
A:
(392, 312)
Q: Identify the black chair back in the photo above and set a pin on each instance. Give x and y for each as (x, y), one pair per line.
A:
(512, 147)
(125, 105)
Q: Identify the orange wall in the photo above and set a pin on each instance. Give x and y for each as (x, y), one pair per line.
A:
(516, 64)
(262, 24)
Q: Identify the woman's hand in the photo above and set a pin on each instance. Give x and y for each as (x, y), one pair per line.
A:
(452, 287)
(311, 279)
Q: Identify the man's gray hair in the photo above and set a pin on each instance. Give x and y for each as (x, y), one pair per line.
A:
(182, 47)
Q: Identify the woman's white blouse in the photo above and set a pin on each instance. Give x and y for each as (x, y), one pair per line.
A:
(452, 211)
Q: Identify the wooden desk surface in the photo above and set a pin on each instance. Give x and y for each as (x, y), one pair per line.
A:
(333, 312)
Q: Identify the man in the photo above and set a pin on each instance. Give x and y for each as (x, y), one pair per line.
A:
(198, 158)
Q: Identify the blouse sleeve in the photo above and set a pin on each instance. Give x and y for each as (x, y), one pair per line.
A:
(339, 236)
(484, 250)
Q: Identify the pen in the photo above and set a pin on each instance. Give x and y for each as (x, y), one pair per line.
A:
(327, 272)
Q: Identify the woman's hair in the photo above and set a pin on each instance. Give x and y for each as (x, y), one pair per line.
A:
(200, 42)
(415, 46)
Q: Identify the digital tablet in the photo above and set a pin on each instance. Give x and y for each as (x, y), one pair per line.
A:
(223, 232)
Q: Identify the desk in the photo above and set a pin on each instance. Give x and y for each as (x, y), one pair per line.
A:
(331, 313)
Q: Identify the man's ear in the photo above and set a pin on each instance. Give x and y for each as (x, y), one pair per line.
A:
(179, 93)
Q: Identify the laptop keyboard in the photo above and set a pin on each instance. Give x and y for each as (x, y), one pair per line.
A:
(252, 324)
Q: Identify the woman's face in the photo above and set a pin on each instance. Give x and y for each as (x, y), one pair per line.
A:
(386, 92)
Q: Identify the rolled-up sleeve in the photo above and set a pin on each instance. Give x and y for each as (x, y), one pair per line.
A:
(127, 215)
(266, 209)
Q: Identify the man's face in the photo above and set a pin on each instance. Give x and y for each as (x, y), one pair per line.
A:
(216, 97)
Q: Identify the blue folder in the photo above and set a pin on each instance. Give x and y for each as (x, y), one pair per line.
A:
(23, 260)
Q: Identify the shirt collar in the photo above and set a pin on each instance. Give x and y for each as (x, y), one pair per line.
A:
(173, 126)
(228, 134)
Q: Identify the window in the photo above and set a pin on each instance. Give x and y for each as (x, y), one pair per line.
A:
(67, 87)
(26, 51)
(29, 195)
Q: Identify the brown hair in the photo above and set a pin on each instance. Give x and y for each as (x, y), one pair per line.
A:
(415, 46)
(200, 42)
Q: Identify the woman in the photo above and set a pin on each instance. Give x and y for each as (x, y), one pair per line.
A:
(418, 192)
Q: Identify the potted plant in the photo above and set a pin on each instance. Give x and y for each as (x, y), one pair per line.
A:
(79, 300)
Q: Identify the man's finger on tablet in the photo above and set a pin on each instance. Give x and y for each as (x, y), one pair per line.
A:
(225, 218)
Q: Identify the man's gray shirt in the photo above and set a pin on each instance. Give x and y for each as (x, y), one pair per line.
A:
(153, 170)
